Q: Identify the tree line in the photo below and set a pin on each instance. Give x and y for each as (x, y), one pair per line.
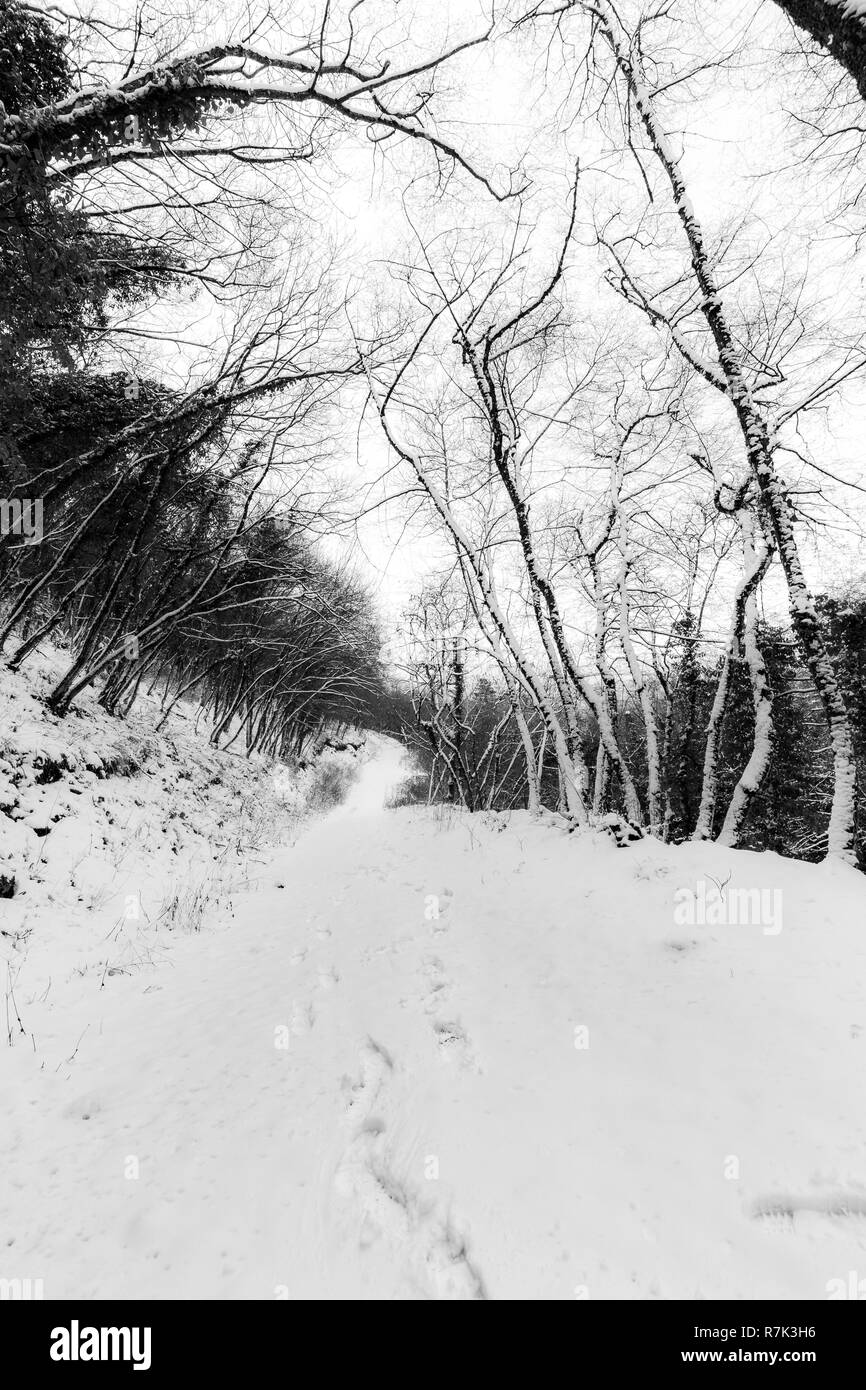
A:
(175, 548)
(610, 486)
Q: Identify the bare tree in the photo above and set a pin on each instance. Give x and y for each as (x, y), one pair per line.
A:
(730, 372)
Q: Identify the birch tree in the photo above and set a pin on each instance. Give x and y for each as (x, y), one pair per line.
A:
(729, 373)
(839, 26)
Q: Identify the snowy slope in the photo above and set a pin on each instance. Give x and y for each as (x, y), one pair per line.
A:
(119, 835)
(441, 1056)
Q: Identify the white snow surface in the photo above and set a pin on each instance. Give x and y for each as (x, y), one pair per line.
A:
(430, 1055)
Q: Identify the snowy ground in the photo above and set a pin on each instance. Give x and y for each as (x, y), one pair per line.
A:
(442, 1056)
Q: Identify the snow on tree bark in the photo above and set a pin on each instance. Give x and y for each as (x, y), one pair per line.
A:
(839, 26)
(743, 631)
(642, 690)
(756, 433)
(753, 774)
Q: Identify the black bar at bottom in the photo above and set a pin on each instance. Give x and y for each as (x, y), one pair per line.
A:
(150, 1341)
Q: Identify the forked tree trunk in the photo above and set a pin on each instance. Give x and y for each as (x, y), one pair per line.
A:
(533, 789)
(483, 595)
(755, 566)
(753, 774)
(543, 596)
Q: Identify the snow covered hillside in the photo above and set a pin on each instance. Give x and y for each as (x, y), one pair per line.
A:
(118, 838)
(435, 1055)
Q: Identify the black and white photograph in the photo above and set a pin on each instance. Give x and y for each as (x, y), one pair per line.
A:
(433, 664)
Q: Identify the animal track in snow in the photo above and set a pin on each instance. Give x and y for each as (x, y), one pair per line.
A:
(451, 1037)
(389, 1209)
(781, 1209)
(435, 971)
(439, 925)
(375, 1066)
(454, 1044)
(435, 974)
(303, 1017)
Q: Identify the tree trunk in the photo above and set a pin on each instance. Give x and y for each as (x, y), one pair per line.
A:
(759, 452)
(832, 24)
(753, 774)
(644, 695)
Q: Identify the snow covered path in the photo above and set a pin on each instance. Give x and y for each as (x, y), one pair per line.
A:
(441, 1056)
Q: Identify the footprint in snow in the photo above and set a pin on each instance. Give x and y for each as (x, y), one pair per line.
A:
(446, 897)
(779, 1210)
(434, 968)
(434, 971)
(454, 1045)
(375, 1065)
(303, 1018)
(388, 1209)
